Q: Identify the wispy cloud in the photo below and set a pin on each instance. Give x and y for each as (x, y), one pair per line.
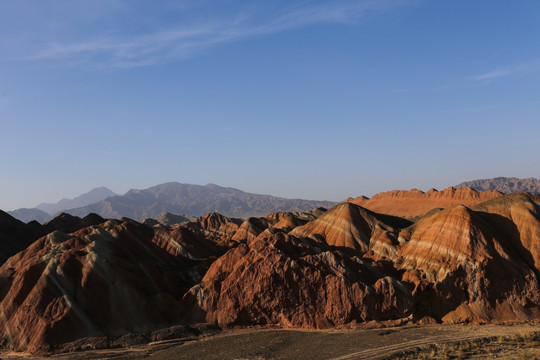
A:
(509, 70)
(441, 88)
(173, 43)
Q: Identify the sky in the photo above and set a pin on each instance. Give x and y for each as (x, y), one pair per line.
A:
(303, 99)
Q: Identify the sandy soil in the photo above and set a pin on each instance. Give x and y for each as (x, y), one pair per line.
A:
(300, 344)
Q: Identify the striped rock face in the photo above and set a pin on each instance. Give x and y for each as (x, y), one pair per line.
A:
(413, 203)
(483, 262)
(352, 227)
(106, 280)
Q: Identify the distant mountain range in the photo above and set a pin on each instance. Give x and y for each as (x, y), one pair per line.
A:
(27, 215)
(46, 211)
(197, 200)
(193, 200)
(504, 184)
(90, 197)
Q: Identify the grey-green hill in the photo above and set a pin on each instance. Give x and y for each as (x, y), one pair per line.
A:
(504, 184)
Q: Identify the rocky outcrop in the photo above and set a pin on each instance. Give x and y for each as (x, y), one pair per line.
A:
(324, 273)
(215, 225)
(414, 203)
(169, 219)
(251, 228)
(106, 280)
(278, 279)
(290, 220)
(349, 226)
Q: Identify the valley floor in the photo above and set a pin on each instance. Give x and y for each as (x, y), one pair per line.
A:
(433, 341)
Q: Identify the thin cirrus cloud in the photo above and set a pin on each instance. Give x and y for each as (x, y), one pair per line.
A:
(170, 44)
(509, 70)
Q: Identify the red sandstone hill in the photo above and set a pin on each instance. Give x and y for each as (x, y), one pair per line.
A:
(331, 271)
(478, 264)
(101, 281)
(413, 203)
(465, 263)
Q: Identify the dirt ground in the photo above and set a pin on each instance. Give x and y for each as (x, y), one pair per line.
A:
(382, 343)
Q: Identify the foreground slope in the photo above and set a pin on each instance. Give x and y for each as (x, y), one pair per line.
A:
(195, 200)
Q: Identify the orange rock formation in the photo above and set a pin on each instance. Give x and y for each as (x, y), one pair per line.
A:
(413, 203)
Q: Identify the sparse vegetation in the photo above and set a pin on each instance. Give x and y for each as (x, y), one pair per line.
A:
(519, 346)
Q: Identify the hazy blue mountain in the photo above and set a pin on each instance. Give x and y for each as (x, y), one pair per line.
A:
(194, 200)
(26, 215)
(45, 211)
(88, 198)
(504, 184)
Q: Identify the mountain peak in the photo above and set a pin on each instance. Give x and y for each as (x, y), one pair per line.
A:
(194, 200)
(92, 196)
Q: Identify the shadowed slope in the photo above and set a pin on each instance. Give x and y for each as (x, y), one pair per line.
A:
(15, 235)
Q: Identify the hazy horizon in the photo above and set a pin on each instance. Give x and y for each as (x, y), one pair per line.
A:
(121, 193)
(319, 100)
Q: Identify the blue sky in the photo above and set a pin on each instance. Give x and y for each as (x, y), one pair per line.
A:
(308, 99)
